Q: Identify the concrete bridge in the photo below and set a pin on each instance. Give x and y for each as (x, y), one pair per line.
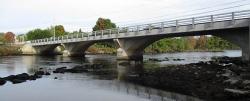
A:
(132, 40)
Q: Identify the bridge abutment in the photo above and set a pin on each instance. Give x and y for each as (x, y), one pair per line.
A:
(239, 38)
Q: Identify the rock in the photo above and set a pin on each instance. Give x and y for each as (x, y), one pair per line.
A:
(47, 73)
(60, 70)
(37, 76)
(154, 59)
(33, 77)
(124, 63)
(16, 81)
(178, 59)
(23, 76)
(245, 76)
(65, 62)
(236, 92)
(2, 81)
(77, 69)
(166, 59)
(39, 73)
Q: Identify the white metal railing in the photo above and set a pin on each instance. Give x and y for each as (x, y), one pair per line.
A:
(112, 33)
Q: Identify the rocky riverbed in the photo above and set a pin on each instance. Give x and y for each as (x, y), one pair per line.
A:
(20, 78)
(223, 78)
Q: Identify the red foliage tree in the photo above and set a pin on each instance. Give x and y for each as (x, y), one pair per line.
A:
(9, 37)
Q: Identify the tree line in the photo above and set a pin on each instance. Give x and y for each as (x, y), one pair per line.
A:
(191, 43)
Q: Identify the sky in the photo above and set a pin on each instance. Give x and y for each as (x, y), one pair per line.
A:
(21, 16)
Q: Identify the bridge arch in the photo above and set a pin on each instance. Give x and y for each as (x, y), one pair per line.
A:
(77, 48)
(132, 48)
(48, 49)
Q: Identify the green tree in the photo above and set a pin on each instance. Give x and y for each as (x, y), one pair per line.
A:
(2, 38)
(38, 34)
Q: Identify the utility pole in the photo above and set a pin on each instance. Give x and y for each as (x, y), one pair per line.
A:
(54, 31)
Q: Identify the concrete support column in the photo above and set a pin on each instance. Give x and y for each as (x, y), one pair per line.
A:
(76, 49)
(132, 48)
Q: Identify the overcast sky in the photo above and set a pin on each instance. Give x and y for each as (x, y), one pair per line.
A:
(20, 16)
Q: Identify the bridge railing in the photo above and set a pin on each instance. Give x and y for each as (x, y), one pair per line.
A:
(147, 27)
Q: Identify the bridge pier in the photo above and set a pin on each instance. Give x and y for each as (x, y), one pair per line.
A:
(132, 48)
(76, 49)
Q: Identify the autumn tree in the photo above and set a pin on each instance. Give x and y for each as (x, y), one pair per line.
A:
(201, 42)
(102, 24)
(9, 37)
(191, 42)
(59, 30)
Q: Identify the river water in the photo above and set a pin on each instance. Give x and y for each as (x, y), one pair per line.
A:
(107, 86)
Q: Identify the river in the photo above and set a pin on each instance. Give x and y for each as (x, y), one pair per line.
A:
(108, 86)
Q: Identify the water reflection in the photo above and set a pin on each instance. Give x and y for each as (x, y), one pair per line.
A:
(131, 68)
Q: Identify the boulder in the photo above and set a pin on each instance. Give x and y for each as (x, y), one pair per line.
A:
(2, 81)
(16, 81)
(77, 69)
(60, 70)
(39, 73)
(23, 76)
(47, 73)
(11, 77)
(33, 77)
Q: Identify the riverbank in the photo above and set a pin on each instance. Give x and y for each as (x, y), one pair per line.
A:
(6, 50)
(225, 78)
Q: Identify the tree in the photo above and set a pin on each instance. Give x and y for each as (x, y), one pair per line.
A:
(2, 38)
(201, 43)
(102, 24)
(38, 34)
(59, 30)
(9, 37)
(191, 43)
(80, 30)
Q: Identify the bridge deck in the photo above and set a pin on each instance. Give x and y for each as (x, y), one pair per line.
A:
(196, 24)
